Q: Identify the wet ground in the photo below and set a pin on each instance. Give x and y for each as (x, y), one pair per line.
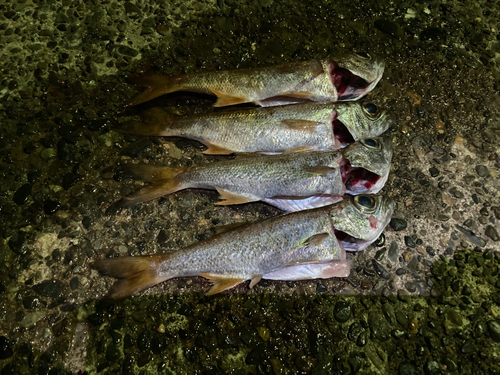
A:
(425, 299)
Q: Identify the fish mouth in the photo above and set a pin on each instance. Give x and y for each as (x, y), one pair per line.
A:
(351, 243)
(359, 180)
(342, 135)
(349, 85)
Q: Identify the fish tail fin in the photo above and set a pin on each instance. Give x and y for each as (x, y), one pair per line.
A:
(156, 86)
(154, 122)
(164, 181)
(134, 274)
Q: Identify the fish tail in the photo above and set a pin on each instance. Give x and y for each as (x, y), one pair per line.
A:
(164, 181)
(134, 274)
(156, 86)
(154, 122)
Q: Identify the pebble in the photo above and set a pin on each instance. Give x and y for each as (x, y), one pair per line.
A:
(434, 171)
(21, 195)
(492, 233)
(342, 311)
(398, 224)
(482, 171)
(473, 239)
(321, 288)
(380, 270)
(393, 253)
(494, 330)
(409, 241)
(50, 207)
(49, 288)
(456, 193)
(5, 348)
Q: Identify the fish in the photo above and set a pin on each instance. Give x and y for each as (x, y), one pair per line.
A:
(292, 128)
(345, 78)
(289, 181)
(296, 246)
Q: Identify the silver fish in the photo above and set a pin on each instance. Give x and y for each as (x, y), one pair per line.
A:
(300, 127)
(291, 182)
(345, 78)
(296, 246)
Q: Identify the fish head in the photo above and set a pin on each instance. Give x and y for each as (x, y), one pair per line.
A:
(366, 164)
(355, 75)
(358, 221)
(355, 121)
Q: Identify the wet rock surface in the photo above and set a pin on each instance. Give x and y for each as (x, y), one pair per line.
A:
(426, 296)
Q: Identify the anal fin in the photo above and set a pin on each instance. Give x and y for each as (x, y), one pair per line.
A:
(255, 280)
(228, 198)
(220, 282)
(225, 100)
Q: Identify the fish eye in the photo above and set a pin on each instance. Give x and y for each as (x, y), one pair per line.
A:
(370, 109)
(364, 55)
(365, 203)
(370, 143)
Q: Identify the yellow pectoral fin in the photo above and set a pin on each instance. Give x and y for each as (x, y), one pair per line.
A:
(220, 282)
(320, 170)
(216, 150)
(299, 149)
(298, 94)
(228, 198)
(315, 240)
(224, 99)
(300, 124)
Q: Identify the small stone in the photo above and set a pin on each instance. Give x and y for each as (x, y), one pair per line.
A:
(400, 271)
(393, 253)
(409, 241)
(50, 207)
(342, 311)
(475, 240)
(5, 348)
(49, 288)
(482, 171)
(48, 153)
(380, 270)
(74, 283)
(456, 193)
(21, 195)
(430, 250)
(494, 330)
(321, 288)
(398, 224)
(264, 333)
(434, 172)
(442, 217)
(492, 233)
